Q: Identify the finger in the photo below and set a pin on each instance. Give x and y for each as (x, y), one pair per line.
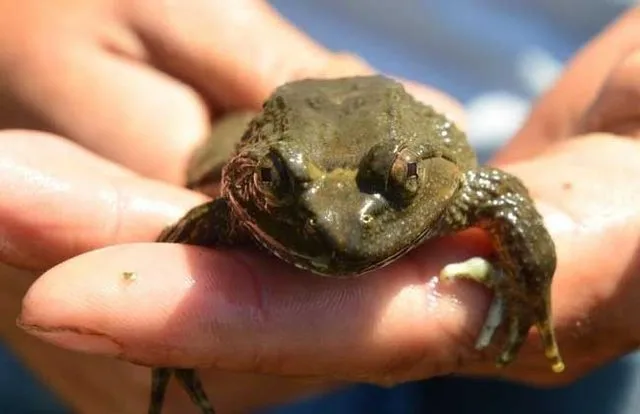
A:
(238, 54)
(116, 107)
(617, 107)
(59, 200)
(234, 53)
(558, 114)
(248, 312)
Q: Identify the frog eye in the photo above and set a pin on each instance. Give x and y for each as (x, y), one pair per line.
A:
(404, 178)
(272, 175)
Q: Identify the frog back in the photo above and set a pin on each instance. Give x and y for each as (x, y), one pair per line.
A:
(336, 121)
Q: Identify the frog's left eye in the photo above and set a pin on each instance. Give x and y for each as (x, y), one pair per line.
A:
(403, 180)
(272, 175)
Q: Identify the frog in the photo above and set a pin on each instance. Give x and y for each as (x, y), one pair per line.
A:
(343, 176)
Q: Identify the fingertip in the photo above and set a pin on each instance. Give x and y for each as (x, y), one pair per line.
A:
(147, 306)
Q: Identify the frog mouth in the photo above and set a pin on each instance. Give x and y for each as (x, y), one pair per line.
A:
(316, 236)
(336, 263)
(321, 264)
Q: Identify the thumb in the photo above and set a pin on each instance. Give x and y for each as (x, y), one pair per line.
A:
(241, 311)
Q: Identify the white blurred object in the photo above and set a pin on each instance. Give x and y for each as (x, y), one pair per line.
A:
(494, 117)
(537, 69)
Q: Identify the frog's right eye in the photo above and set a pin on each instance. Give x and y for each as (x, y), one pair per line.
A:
(392, 170)
(272, 175)
(404, 176)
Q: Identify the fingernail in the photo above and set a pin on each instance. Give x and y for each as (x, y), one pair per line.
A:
(75, 339)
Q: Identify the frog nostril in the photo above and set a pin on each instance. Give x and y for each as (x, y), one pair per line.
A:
(371, 208)
(366, 218)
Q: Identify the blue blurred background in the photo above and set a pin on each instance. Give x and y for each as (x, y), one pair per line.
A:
(495, 56)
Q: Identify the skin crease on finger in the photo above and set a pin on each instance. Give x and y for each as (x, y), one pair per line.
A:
(402, 325)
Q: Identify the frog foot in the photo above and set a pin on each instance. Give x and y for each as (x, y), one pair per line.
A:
(501, 311)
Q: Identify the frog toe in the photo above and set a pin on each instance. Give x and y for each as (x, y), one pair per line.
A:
(482, 271)
(493, 320)
(517, 333)
(551, 350)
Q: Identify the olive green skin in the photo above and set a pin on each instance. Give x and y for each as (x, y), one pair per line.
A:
(334, 214)
(344, 176)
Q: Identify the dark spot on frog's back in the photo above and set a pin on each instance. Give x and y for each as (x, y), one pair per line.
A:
(354, 104)
(280, 103)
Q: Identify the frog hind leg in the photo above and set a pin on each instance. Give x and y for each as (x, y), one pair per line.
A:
(517, 331)
(521, 276)
(190, 381)
(210, 224)
(159, 381)
(207, 161)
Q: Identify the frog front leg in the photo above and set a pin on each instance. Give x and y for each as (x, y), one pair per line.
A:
(210, 224)
(521, 274)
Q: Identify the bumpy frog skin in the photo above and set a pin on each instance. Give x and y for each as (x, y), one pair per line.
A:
(344, 176)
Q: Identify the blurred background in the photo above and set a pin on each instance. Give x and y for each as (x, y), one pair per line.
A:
(495, 56)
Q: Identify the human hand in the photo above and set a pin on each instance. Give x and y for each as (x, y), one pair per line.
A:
(132, 87)
(400, 326)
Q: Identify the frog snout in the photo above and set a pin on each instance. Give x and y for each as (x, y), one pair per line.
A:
(341, 231)
(342, 218)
